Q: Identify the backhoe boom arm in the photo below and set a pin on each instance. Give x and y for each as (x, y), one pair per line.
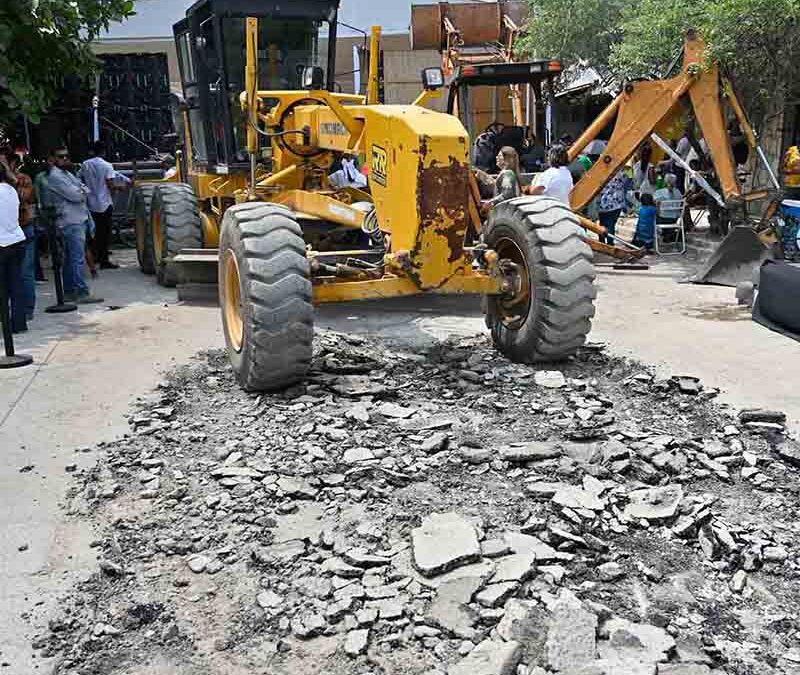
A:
(642, 107)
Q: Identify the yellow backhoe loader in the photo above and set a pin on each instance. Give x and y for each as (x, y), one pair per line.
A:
(491, 87)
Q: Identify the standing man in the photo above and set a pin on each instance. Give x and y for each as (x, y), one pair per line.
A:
(98, 175)
(68, 196)
(44, 211)
(12, 252)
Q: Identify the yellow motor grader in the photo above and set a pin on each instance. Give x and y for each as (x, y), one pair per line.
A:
(255, 202)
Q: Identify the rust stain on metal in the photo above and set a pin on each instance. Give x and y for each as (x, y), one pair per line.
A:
(443, 196)
(442, 205)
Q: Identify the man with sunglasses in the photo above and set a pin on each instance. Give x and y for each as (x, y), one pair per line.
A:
(68, 196)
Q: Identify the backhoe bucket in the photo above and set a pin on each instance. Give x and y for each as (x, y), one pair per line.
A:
(478, 23)
(734, 259)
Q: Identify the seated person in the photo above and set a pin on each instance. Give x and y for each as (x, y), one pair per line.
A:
(345, 173)
(556, 182)
(483, 151)
(507, 184)
(533, 157)
(646, 225)
(669, 193)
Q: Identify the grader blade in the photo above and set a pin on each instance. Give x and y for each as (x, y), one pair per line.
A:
(197, 266)
(734, 259)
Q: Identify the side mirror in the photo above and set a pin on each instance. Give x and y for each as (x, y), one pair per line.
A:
(432, 78)
(313, 78)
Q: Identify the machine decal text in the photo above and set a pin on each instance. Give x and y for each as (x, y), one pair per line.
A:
(380, 165)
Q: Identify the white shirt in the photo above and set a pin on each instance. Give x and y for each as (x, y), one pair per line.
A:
(347, 176)
(10, 231)
(557, 183)
(95, 172)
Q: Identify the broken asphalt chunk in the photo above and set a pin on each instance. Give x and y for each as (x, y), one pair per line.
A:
(444, 541)
(654, 503)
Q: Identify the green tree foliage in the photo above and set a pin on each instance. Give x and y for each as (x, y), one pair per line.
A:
(757, 41)
(574, 30)
(41, 41)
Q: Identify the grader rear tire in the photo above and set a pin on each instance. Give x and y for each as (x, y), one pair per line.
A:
(265, 296)
(550, 315)
(174, 226)
(142, 199)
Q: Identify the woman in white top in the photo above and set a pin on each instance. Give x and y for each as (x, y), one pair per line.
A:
(555, 182)
(12, 251)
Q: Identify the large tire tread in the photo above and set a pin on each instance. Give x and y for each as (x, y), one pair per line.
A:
(180, 222)
(143, 200)
(275, 287)
(562, 278)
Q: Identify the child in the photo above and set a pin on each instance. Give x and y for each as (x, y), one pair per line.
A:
(646, 225)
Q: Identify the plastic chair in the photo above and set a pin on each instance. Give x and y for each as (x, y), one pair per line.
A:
(674, 205)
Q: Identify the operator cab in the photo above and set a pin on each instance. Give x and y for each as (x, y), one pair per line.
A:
(480, 96)
(210, 41)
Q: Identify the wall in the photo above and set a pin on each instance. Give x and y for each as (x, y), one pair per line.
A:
(402, 67)
(144, 46)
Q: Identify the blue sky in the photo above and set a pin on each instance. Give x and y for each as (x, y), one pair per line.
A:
(155, 17)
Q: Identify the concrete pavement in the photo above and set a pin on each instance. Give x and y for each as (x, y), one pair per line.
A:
(91, 365)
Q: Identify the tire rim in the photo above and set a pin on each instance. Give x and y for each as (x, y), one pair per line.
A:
(232, 302)
(514, 306)
(158, 239)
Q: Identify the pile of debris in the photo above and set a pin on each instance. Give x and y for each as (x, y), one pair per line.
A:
(439, 512)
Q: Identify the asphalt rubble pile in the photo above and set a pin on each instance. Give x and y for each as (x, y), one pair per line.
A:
(442, 512)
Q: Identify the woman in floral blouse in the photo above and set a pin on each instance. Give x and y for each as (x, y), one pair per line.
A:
(610, 205)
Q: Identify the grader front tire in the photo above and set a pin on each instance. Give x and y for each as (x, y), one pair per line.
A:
(174, 225)
(265, 296)
(142, 200)
(549, 316)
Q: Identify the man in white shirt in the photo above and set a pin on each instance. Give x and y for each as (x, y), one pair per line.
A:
(555, 182)
(98, 175)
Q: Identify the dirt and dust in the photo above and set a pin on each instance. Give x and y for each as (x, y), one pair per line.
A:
(298, 533)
